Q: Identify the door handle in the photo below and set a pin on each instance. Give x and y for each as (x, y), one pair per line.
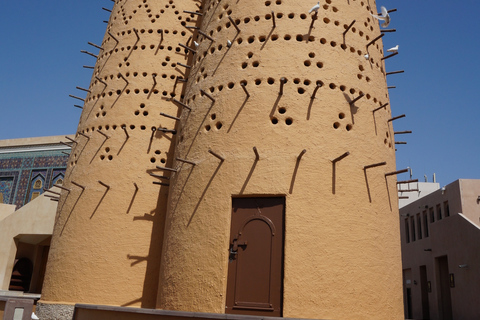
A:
(236, 244)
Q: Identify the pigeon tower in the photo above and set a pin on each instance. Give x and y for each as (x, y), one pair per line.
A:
(234, 157)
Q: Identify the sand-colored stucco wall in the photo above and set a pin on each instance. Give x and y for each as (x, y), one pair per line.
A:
(342, 245)
(34, 219)
(107, 242)
(342, 254)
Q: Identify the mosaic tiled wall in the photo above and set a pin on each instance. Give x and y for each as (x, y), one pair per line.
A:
(19, 173)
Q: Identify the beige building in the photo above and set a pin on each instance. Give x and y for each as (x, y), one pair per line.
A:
(440, 235)
(32, 171)
(231, 158)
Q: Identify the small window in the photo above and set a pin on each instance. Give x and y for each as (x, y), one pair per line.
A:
(439, 212)
(419, 226)
(407, 231)
(446, 209)
(412, 224)
(432, 215)
(37, 184)
(34, 195)
(59, 182)
(425, 223)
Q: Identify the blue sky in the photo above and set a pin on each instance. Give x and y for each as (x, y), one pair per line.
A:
(41, 64)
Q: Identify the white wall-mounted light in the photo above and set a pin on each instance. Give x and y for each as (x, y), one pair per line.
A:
(463, 265)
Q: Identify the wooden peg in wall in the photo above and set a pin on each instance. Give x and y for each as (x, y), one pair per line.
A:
(83, 89)
(396, 172)
(124, 79)
(167, 130)
(341, 157)
(169, 116)
(216, 155)
(126, 132)
(166, 169)
(203, 93)
(374, 165)
(184, 65)
(395, 118)
(407, 181)
(374, 40)
(84, 135)
(94, 45)
(113, 37)
(283, 80)
(181, 103)
(72, 140)
(133, 197)
(357, 98)
(273, 20)
(301, 154)
(234, 24)
(89, 53)
(104, 184)
(193, 12)
(77, 106)
(314, 17)
(389, 56)
(394, 72)
(315, 90)
(78, 185)
(388, 30)
(103, 134)
(107, 9)
(206, 35)
(381, 107)
(402, 132)
(257, 155)
(244, 87)
(187, 48)
(89, 67)
(349, 27)
(102, 82)
(65, 144)
(75, 97)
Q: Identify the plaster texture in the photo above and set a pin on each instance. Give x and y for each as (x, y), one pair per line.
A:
(342, 249)
(107, 242)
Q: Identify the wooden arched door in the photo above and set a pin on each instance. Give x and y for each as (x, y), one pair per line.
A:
(255, 270)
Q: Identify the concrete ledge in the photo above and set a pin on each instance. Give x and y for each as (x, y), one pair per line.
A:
(54, 311)
(94, 312)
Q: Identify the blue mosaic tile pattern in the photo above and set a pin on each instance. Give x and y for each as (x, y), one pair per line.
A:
(18, 169)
